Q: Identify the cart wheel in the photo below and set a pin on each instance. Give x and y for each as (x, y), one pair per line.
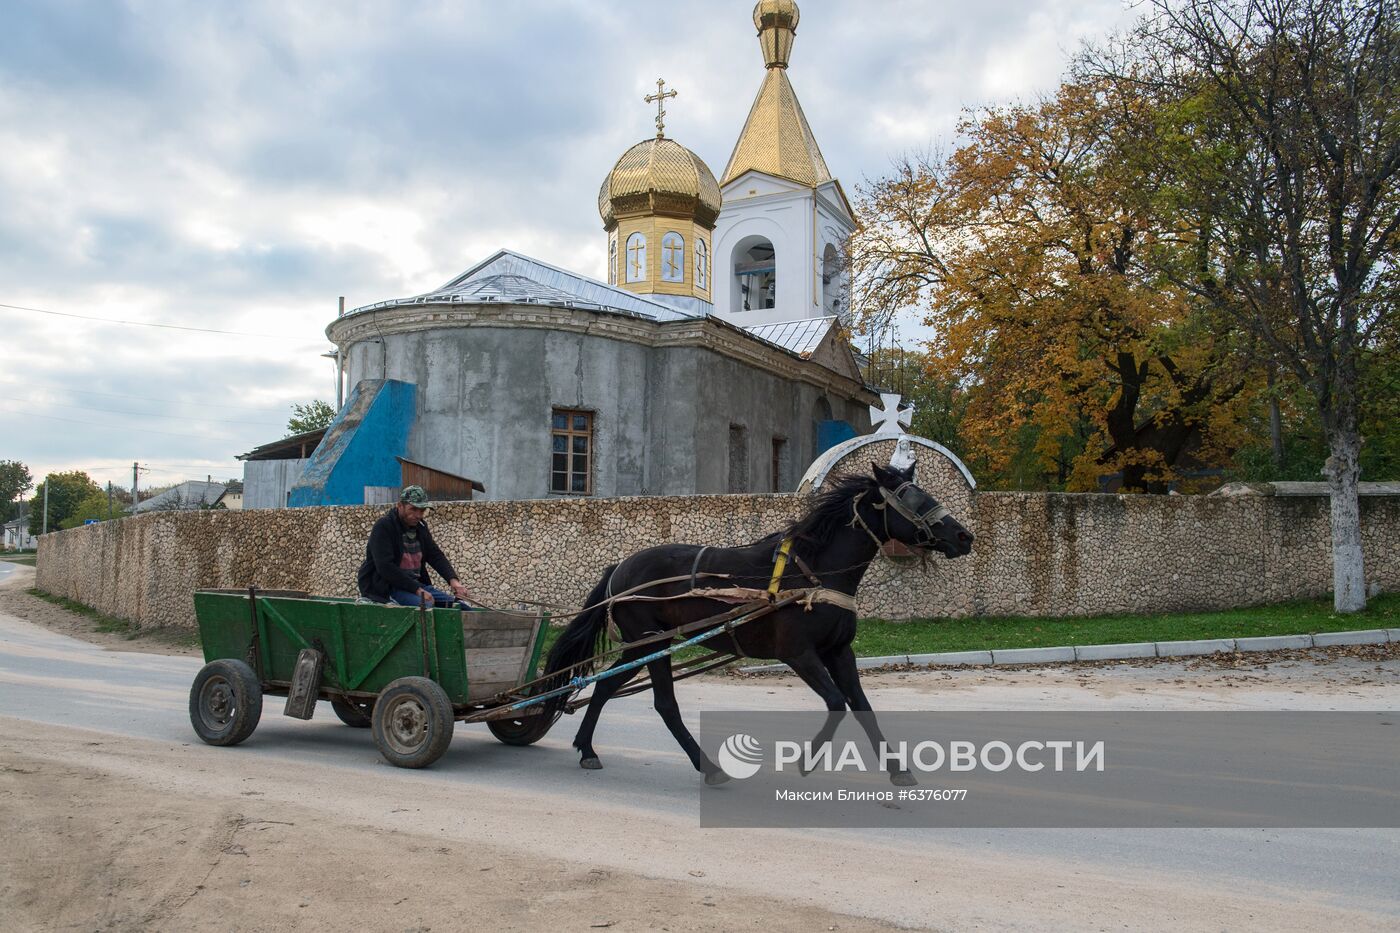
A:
(412, 722)
(527, 730)
(356, 714)
(225, 702)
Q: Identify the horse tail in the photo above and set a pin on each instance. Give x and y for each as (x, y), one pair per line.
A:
(584, 637)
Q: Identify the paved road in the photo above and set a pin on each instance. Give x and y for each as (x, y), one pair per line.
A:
(539, 798)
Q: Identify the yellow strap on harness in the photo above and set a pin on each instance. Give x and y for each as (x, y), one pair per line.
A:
(779, 566)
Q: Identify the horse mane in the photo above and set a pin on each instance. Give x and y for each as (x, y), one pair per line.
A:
(830, 509)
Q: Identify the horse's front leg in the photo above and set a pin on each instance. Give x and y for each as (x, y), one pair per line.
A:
(814, 674)
(663, 690)
(841, 664)
(603, 691)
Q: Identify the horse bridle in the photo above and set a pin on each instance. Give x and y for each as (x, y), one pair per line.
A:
(924, 522)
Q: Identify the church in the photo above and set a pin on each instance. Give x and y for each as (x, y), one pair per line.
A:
(712, 360)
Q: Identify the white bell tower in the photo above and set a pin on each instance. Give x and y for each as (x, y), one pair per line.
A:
(779, 243)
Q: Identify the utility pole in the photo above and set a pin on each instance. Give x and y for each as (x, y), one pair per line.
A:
(135, 476)
(46, 505)
(109, 500)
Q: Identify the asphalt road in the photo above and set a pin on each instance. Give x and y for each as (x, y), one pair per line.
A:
(640, 813)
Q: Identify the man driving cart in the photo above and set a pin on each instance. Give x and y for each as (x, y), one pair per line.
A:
(400, 551)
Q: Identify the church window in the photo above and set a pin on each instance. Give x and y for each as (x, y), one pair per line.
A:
(636, 258)
(702, 265)
(612, 260)
(672, 258)
(738, 458)
(571, 439)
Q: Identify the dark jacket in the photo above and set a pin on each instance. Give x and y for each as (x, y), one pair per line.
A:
(381, 574)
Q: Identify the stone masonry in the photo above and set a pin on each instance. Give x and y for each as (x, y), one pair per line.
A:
(1036, 554)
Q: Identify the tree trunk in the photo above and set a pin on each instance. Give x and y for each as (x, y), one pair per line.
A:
(1275, 425)
(1343, 471)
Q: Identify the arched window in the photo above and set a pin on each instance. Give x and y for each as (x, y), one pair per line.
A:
(755, 273)
(672, 258)
(636, 258)
(702, 265)
(834, 283)
(612, 260)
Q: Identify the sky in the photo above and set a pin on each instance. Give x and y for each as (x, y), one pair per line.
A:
(236, 167)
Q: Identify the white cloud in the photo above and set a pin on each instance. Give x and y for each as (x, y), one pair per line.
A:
(238, 166)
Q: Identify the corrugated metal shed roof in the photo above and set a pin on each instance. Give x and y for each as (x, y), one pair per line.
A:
(800, 337)
(512, 278)
(189, 495)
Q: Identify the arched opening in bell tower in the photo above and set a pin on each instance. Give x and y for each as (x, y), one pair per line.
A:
(834, 300)
(755, 274)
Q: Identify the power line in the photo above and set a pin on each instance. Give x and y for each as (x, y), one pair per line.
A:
(105, 320)
(144, 414)
(151, 398)
(98, 424)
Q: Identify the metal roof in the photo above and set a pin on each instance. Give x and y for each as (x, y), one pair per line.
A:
(187, 495)
(800, 337)
(509, 277)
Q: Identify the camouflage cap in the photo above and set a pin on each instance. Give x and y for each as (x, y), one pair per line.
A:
(415, 496)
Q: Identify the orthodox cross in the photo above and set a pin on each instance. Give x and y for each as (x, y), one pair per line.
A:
(660, 98)
(637, 255)
(888, 418)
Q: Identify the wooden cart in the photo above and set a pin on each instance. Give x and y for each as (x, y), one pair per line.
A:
(407, 674)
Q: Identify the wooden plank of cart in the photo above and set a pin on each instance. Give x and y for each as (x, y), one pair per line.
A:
(407, 674)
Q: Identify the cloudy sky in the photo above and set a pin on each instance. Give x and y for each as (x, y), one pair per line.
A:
(237, 166)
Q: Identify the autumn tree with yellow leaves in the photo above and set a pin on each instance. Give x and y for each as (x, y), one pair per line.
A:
(1026, 250)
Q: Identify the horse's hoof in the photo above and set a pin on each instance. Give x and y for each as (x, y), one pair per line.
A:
(716, 778)
(590, 764)
(902, 779)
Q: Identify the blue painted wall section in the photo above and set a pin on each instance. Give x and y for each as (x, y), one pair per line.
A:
(360, 445)
(831, 433)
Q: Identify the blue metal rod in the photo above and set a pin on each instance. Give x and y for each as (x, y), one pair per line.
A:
(578, 683)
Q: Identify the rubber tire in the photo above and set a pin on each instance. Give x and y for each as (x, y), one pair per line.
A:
(240, 684)
(524, 731)
(354, 715)
(417, 698)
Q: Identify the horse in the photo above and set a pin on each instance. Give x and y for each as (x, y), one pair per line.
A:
(830, 546)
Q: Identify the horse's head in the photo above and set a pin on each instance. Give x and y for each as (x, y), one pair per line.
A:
(910, 517)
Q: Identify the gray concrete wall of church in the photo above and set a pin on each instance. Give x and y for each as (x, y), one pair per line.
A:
(662, 415)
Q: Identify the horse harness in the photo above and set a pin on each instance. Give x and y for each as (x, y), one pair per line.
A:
(807, 597)
(924, 522)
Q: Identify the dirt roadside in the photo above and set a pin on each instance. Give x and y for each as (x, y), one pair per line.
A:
(15, 601)
(90, 850)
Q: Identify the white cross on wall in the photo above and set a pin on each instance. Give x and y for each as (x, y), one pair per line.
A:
(889, 418)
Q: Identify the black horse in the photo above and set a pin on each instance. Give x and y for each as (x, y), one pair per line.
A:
(833, 543)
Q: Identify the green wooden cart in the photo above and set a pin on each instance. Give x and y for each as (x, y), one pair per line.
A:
(407, 674)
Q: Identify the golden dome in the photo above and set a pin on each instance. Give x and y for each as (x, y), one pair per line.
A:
(775, 13)
(776, 22)
(660, 176)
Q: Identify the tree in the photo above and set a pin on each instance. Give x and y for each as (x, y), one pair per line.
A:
(1285, 175)
(94, 507)
(312, 416)
(1027, 249)
(15, 481)
(66, 491)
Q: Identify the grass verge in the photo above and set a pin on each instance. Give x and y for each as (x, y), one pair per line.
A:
(112, 625)
(878, 637)
(29, 560)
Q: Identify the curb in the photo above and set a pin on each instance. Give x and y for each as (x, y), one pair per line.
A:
(1144, 649)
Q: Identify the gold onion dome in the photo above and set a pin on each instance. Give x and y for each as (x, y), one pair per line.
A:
(659, 176)
(776, 22)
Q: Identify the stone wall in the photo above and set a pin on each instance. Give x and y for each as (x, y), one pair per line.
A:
(1035, 554)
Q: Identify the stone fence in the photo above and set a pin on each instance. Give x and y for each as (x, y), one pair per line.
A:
(1035, 554)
